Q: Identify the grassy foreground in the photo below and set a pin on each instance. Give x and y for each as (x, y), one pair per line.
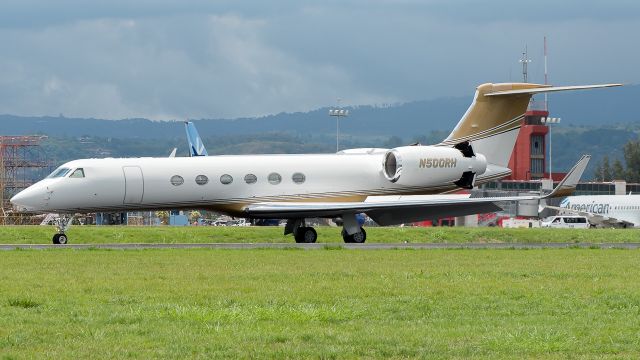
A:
(320, 304)
(209, 234)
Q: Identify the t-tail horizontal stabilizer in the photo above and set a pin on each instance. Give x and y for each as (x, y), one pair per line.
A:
(548, 88)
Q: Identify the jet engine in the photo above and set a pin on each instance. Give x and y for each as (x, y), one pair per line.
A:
(433, 165)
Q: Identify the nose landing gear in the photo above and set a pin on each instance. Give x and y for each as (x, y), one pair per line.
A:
(63, 223)
(60, 239)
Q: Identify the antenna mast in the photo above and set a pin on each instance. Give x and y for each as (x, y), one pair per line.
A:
(525, 61)
(546, 79)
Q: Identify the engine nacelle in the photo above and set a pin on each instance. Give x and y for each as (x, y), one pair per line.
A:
(432, 165)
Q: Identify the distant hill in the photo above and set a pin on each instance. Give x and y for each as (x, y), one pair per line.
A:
(400, 120)
(594, 107)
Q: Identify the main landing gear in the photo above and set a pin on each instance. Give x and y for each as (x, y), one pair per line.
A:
(358, 237)
(352, 232)
(63, 222)
(306, 234)
(302, 233)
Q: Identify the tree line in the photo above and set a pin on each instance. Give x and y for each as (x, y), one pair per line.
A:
(630, 171)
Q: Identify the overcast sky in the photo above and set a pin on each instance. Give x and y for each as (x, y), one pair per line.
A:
(175, 59)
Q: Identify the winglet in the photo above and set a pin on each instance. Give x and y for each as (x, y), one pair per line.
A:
(568, 185)
(196, 147)
(173, 153)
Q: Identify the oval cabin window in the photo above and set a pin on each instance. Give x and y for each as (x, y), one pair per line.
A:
(250, 179)
(177, 180)
(298, 178)
(274, 178)
(201, 179)
(226, 179)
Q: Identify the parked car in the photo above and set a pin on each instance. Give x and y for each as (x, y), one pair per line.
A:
(239, 222)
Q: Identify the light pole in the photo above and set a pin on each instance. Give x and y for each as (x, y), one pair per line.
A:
(338, 113)
(549, 121)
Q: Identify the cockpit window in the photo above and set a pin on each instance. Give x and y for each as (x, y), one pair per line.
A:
(78, 173)
(59, 172)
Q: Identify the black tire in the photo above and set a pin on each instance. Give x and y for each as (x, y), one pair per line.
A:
(60, 239)
(346, 237)
(306, 235)
(357, 238)
(309, 235)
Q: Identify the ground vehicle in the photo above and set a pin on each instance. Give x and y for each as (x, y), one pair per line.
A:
(566, 221)
(238, 222)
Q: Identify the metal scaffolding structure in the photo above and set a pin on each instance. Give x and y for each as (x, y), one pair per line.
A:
(22, 162)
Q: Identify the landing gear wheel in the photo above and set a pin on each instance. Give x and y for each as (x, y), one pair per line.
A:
(60, 239)
(358, 237)
(306, 235)
(346, 237)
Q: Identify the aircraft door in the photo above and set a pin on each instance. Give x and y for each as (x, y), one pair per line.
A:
(133, 184)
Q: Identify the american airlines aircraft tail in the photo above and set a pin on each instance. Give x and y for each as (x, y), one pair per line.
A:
(392, 186)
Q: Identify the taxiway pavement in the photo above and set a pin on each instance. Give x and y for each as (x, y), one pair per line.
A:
(366, 246)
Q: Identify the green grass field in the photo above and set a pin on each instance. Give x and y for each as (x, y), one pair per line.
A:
(208, 234)
(570, 303)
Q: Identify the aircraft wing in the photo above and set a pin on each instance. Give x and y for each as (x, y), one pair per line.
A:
(391, 210)
(596, 219)
(384, 210)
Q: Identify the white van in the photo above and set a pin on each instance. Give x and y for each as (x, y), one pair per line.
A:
(566, 221)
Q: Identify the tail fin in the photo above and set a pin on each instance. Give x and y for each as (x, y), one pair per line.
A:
(493, 120)
(196, 147)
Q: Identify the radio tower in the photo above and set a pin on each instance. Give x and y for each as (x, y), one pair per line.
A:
(546, 79)
(525, 61)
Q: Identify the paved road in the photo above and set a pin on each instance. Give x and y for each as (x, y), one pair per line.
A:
(368, 246)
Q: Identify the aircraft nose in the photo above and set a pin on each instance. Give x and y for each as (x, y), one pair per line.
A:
(29, 199)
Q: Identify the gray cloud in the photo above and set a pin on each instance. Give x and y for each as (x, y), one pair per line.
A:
(174, 59)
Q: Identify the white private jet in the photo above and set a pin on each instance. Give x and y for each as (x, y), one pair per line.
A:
(392, 186)
(604, 210)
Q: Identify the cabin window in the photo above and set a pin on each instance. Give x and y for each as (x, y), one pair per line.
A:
(226, 179)
(202, 179)
(298, 178)
(59, 172)
(177, 180)
(250, 179)
(274, 178)
(77, 173)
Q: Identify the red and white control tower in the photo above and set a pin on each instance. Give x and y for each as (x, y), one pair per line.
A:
(529, 158)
